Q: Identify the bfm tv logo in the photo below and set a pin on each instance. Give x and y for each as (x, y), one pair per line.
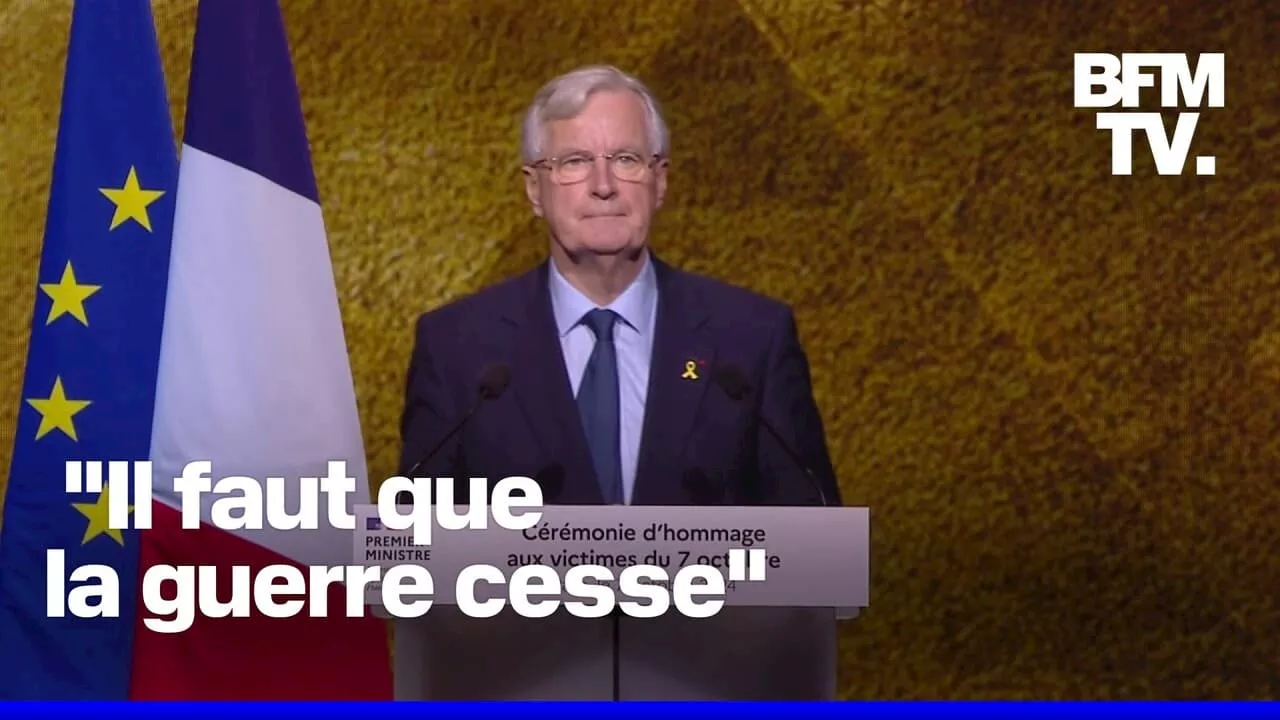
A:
(1122, 78)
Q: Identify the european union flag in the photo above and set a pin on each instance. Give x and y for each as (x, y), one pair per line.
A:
(89, 388)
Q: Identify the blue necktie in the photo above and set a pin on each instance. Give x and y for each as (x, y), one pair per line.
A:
(598, 404)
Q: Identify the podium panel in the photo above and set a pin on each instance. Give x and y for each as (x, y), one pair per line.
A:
(742, 653)
(774, 638)
(447, 655)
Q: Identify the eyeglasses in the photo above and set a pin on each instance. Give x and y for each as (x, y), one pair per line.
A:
(571, 169)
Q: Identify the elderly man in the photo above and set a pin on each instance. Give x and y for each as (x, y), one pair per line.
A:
(630, 381)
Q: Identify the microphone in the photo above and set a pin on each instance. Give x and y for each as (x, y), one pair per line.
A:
(700, 488)
(551, 480)
(733, 381)
(490, 385)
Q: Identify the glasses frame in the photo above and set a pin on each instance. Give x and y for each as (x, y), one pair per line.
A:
(552, 165)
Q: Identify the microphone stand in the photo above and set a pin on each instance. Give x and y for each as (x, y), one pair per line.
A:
(493, 383)
(798, 461)
(457, 428)
(733, 383)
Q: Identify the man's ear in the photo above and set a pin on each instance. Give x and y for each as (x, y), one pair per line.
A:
(660, 180)
(532, 190)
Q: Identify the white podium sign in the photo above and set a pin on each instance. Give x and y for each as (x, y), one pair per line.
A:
(812, 557)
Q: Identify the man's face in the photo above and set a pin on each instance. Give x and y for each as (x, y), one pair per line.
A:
(600, 214)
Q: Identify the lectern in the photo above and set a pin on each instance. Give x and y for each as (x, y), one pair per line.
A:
(774, 638)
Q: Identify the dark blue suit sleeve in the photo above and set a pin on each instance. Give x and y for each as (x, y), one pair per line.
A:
(788, 403)
(429, 409)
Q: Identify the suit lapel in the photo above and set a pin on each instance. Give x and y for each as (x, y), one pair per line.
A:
(541, 384)
(679, 373)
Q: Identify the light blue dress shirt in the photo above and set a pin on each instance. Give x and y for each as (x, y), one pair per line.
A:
(633, 337)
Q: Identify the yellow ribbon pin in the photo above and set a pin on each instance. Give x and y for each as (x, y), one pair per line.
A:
(690, 370)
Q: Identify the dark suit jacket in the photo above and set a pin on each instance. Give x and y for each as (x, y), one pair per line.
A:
(690, 426)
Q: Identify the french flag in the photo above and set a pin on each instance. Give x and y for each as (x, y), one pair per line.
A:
(254, 377)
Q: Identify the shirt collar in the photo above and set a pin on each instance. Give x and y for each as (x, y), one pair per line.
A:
(635, 305)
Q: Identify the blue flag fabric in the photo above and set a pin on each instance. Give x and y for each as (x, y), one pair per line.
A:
(89, 387)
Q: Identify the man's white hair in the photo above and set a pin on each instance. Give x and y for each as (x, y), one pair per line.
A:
(564, 97)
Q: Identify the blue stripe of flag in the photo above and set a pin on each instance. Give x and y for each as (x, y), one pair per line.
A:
(243, 104)
(98, 342)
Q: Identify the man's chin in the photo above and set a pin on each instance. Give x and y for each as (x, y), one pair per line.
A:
(602, 248)
(611, 251)
(621, 252)
(612, 248)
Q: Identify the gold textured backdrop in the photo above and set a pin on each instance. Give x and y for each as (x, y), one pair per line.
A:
(1056, 389)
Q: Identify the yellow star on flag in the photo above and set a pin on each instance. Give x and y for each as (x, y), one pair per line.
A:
(99, 521)
(131, 201)
(68, 296)
(56, 411)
